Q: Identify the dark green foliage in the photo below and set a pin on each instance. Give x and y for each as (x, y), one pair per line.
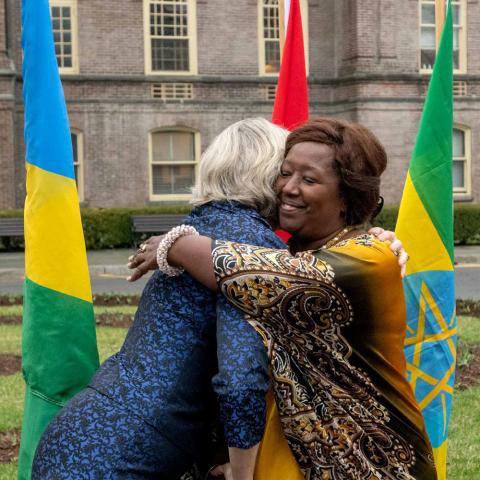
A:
(466, 225)
(112, 227)
(387, 217)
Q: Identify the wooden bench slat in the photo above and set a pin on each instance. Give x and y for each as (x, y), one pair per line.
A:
(155, 223)
(11, 227)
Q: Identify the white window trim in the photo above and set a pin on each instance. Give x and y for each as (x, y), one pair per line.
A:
(80, 177)
(462, 39)
(171, 197)
(192, 42)
(467, 170)
(74, 69)
(420, 24)
(261, 40)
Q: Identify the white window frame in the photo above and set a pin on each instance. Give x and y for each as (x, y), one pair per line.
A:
(197, 145)
(79, 163)
(462, 61)
(462, 37)
(261, 39)
(467, 159)
(192, 40)
(74, 69)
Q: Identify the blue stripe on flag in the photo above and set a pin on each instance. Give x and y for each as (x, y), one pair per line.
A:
(431, 312)
(47, 135)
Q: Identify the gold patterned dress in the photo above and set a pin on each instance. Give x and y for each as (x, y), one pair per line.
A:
(334, 323)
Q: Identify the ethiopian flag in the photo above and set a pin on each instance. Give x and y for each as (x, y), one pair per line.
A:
(425, 225)
(59, 352)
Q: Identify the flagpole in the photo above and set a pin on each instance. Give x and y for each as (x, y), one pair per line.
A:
(439, 19)
(281, 25)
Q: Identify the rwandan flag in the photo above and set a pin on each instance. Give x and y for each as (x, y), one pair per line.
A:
(425, 226)
(59, 352)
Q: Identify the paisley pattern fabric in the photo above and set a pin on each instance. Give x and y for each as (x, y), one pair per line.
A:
(335, 341)
(166, 379)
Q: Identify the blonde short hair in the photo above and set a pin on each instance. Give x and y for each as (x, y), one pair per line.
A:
(242, 164)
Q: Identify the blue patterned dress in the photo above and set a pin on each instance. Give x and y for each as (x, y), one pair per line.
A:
(148, 411)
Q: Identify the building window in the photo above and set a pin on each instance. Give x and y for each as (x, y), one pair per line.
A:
(459, 10)
(430, 35)
(461, 160)
(170, 36)
(64, 25)
(77, 147)
(173, 163)
(269, 35)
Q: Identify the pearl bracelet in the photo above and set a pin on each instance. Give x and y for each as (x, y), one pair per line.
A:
(164, 246)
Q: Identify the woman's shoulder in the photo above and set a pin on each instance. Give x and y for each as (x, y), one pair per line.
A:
(234, 222)
(366, 247)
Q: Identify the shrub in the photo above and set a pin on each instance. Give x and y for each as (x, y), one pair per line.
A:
(466, 222)
(107, 228)
(112, 227)
(387, 217)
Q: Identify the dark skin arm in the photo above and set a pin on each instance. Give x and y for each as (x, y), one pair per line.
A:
(194, 254)
(146, 260)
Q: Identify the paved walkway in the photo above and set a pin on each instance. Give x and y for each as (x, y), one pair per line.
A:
(108, 271)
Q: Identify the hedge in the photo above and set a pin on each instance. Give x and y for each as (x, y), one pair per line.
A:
(466, 224)
(464, 307)
(112, 228)
(106, 227)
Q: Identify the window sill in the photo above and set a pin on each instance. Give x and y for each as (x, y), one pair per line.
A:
(170, 198)
(462, 197)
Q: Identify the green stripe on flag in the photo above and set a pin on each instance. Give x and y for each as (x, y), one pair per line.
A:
(431, 165)
(58, 343)
(37, 415)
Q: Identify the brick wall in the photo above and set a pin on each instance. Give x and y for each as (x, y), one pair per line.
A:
(363, 67)
(7, 169)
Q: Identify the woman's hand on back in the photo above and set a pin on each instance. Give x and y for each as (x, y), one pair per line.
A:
(396, 246)
(145, 259)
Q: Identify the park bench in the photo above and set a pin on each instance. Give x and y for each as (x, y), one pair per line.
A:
(10, 227)
(155, 223)
(13, 226)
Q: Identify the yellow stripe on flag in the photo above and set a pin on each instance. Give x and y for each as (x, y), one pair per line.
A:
(55, 256)
(440, 457)
(421, 237)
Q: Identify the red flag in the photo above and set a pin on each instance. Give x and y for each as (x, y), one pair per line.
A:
(291, 101)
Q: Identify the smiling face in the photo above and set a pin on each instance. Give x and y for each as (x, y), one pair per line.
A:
(310, 205)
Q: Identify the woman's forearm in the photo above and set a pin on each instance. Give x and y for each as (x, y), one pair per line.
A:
(242, 462)
(194, 254)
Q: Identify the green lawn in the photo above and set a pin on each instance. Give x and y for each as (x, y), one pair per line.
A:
(12, 386)
(464, 445)
(464, 438)
(125, 309)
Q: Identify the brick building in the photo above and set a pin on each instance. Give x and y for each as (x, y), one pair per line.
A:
(149, 83)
